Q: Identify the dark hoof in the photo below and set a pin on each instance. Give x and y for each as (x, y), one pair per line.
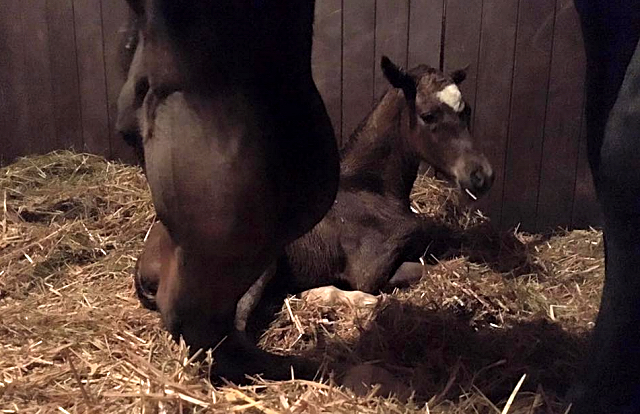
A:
(145, 290)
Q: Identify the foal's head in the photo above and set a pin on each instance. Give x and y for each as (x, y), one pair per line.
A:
(437, 125)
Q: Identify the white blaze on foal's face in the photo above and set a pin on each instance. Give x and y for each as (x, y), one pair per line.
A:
(451, 96)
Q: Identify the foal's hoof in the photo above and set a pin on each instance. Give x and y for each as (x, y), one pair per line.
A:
(146, 290)
(332, 296)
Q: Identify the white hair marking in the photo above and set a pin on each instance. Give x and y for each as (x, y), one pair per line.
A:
(452, 96)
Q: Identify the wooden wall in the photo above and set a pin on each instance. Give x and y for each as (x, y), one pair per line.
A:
(59, 76)
(59, 80)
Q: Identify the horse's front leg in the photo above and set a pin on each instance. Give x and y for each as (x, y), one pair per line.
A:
(612, 383)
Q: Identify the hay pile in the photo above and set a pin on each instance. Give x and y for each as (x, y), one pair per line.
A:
(74, 339)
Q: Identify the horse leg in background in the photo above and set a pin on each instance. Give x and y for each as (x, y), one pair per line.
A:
(611, 382)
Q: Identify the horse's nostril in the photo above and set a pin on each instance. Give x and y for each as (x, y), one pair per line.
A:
(146, 292)
(150, 287)
(477, 179)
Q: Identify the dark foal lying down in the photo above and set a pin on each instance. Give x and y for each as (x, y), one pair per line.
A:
(370, 240)
(239, 154)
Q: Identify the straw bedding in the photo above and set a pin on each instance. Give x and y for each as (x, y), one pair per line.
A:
(499, 328)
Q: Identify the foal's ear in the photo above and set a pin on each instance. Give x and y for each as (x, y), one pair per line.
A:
(458, 76)
(398, 78)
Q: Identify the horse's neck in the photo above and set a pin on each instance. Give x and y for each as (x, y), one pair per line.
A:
(377, 150)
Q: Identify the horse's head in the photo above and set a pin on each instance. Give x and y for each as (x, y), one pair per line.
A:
(218, 93)
(437, 125)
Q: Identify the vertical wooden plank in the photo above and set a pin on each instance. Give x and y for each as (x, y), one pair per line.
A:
(358, 65)
(13, 103)
(91, 70)
(425, 32)
(528, 109)
(64, 75)
(463, 22)
(327, 58)
(462, 42)
(114, 17)
(562, 126)
(37, 77)
(586, 210)
(494, 74)
(392, 29)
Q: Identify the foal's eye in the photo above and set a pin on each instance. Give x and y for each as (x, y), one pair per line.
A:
(430, 117)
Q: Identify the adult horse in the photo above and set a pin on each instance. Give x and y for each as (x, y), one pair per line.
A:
(611, 28)
(239, 151)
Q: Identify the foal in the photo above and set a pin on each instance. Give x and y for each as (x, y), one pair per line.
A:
(370, 240)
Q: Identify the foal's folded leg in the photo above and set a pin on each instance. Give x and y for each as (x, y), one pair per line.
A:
(406, 275)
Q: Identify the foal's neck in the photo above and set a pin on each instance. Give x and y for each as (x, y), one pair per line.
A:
(377, 157)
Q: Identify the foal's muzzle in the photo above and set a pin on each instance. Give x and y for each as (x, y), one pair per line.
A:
(477, 179)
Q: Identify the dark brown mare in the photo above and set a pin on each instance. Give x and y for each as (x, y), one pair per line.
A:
(611, 29)
(370, 240)
(239, 151)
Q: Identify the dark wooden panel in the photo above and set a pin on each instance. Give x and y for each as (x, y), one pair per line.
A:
(41, 122)
(13, 103)
(392, 29)
(327, 58)
(494, 74)
(562, 126)
(91, 70)
(64, 75)
(528, 109)
(462, 41)
(425, 32)
(586, 210)
(115, 15)
(358, 66)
